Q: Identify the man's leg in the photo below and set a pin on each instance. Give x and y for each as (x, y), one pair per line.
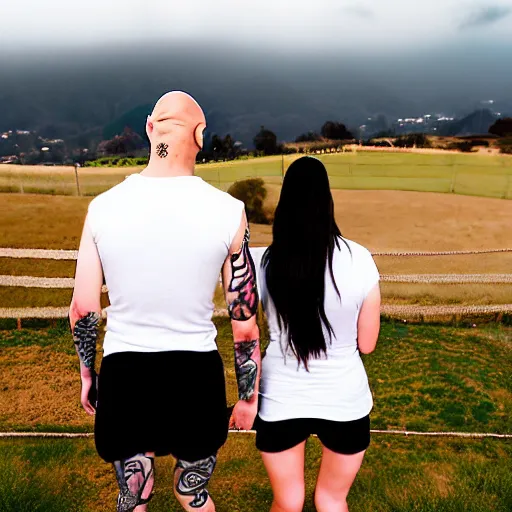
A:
(190, 484)
(135, 477)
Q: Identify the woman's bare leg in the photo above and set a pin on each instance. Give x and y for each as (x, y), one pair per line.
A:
(286, 473)
(336, 476)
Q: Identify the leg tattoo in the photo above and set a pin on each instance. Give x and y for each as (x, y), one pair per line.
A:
(246, 368)
(85, 335)
(194, 479)
(243, 282)
(133, 475)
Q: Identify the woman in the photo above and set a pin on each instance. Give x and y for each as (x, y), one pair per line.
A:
(322, 299)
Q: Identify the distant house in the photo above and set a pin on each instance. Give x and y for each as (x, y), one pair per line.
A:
(12, 159)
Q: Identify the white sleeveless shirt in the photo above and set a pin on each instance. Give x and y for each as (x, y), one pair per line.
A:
(336, 386)
(162, 243)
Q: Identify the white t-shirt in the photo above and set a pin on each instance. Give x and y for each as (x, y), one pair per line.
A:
(336, 386)
(162, 243)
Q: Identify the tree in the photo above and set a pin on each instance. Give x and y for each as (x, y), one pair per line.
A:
(252, 193)
(216, 144)
(126, 144)
(228, 146)
(502, 127)
(266, 142)
(335, 131)
(308, 137)
(419, 140)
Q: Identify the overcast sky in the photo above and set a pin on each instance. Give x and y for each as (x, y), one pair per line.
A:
(364, 25)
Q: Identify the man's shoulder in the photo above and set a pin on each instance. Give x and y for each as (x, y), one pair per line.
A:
(110, 195)
(221, 197)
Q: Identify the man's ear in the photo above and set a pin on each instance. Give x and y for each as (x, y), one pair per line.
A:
(198, 134)
(149, 127)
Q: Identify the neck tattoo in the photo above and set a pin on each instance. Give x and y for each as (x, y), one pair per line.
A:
(161, 150)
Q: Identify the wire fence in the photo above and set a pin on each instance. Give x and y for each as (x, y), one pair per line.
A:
(64, 254)
(427, 171)
(69, 282)
(402, 311)
(86, 435)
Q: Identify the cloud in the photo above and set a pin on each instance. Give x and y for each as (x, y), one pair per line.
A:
(360, 11)
(485, 16)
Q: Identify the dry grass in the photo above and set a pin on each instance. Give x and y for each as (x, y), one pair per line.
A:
(395, 220)
(38, 221)
(37, 268)
(381, 220)
(432, 294)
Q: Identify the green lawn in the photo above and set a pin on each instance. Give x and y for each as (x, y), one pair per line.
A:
(398, 475)
(481, 175)
(423, 377)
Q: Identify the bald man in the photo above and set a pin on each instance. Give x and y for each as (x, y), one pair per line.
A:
(159, 240)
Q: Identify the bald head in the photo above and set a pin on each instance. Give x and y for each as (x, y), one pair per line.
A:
(178, 122)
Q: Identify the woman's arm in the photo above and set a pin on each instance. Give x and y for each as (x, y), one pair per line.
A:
(368, 324)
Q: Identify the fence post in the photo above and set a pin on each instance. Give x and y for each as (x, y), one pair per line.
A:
(454, 177)
(77, 165)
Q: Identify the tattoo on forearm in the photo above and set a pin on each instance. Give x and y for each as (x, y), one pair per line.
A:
(243, 282)
(194, 479)
(85, 335)
(246, 368)
(133, 475)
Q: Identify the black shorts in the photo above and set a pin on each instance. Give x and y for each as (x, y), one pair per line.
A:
(170, 403)
(344, 437)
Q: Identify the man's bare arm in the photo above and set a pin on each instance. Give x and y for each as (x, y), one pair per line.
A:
(239, 278)
(85, 311)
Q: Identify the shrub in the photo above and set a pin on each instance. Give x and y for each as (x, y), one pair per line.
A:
(506, 146)
(253, 193)
(420, 140)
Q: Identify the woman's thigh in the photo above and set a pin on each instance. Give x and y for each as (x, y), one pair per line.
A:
(286, 473)
(337, 473)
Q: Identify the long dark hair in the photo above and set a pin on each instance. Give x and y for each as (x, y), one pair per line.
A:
(304, 237)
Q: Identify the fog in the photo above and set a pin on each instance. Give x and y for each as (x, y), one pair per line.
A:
(287, 69)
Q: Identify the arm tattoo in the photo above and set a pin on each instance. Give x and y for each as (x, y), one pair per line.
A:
(85, 335)
(194, 479)
(246, 368)
(243, 282)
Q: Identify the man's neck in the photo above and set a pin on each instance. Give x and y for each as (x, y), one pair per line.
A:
(168, 168)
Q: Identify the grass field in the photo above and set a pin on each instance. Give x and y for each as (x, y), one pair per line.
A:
(480, 175)
(423, 377)
(398, 475)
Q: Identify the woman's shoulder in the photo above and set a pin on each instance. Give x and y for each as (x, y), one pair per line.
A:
(355, 248)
